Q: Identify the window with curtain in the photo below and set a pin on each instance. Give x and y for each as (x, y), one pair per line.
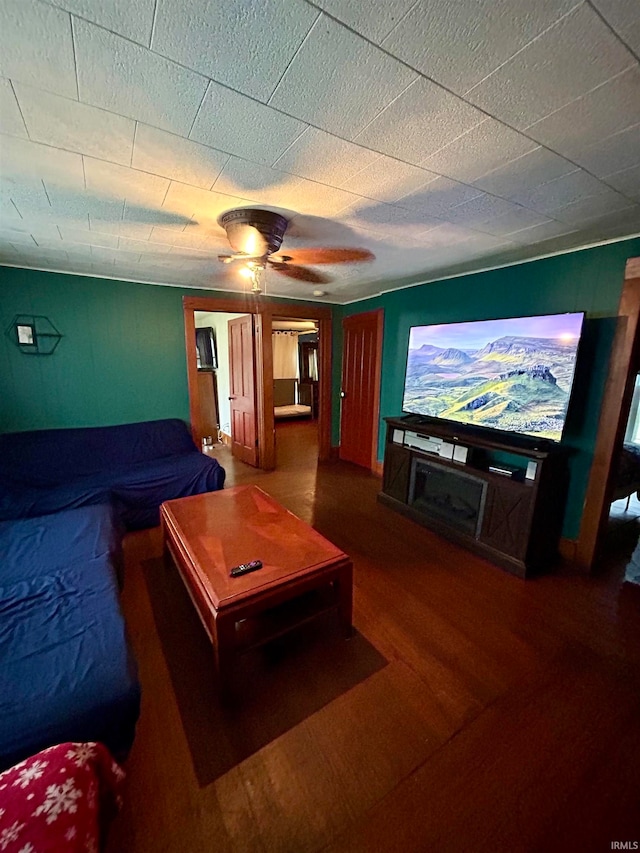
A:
(285, 355)
(308, 361)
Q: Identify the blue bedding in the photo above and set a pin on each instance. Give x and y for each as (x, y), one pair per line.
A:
(135, 466)
(66, 496)
(66, 670)
(138, 490)
(50, 457)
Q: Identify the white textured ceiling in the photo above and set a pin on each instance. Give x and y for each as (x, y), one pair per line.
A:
(443, 135)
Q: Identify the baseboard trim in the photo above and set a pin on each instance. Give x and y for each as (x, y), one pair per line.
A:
(376, 468)
(568, 549)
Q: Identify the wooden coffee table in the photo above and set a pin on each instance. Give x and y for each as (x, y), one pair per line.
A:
(303, 574)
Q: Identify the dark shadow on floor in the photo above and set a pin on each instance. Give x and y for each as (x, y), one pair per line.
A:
(623, 530)
(276, 687)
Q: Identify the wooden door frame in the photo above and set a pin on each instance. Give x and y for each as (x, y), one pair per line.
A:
(265, 310)
(616, 405)
(378, 314)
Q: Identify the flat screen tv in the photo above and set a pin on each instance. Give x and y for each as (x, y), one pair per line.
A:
(206, 349)
(513, 375)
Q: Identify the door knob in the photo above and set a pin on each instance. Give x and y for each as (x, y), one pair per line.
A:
(343, 393)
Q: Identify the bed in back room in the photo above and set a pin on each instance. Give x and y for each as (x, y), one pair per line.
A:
(286, 400)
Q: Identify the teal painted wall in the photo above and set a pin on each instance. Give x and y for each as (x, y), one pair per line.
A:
(122, 357)
(589, 280)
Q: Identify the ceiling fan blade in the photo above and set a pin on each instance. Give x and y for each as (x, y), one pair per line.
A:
(300, 273)
(193, 257)
(327, 255)
(240, 256)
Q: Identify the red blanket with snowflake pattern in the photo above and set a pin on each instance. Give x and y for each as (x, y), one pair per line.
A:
(61, 800)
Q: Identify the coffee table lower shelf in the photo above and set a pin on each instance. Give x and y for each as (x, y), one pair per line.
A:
(304, 575)
(253, 632)
(253, 622)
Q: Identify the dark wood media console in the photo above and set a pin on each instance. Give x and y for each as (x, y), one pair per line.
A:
(499, 497)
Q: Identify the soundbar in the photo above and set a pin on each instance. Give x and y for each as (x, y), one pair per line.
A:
(504, 472)
(423, 442)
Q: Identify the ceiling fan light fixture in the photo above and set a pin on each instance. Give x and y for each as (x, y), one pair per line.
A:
(254, 231)
(254, 273)
(256, 234)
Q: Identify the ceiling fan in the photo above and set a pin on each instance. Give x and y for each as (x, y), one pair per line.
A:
(256, 234)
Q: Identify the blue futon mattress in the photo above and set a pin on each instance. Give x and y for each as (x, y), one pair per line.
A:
(66, 670)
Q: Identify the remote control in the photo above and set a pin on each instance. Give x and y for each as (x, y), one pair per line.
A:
(245, 568)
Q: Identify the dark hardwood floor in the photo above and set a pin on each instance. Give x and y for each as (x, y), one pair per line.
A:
(472, 711)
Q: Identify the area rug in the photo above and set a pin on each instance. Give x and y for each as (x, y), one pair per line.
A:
(276, 687)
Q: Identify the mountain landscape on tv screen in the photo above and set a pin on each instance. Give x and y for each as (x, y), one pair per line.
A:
(514, 383)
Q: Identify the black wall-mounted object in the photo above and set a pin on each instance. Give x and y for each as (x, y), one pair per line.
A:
(34, 334)
(206, 346)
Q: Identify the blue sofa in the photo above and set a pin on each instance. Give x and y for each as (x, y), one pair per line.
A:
(66, 497)
(135, 466)
(66, 669)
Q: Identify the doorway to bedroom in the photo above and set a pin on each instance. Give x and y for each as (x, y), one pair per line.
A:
(310, 381)
(295, 379)
(296, 375)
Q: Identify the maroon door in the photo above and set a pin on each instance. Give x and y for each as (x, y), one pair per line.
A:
(361, 359)
(242, 390)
